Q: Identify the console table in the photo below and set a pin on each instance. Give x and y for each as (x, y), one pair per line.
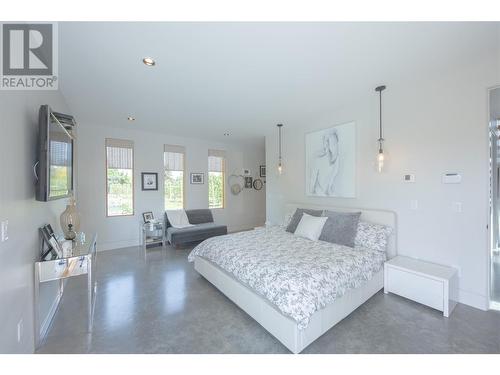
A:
(80, 261)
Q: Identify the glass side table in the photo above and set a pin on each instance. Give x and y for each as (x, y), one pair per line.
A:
(152, 234)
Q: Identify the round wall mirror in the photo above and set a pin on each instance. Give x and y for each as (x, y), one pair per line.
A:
(236, 183)
(257, 184)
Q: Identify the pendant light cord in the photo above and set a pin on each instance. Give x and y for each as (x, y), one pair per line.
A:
(380, 114)
(279, 141)
(381, 139)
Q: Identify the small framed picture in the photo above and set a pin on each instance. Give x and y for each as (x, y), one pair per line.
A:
(262, 170)
(246, 172)
(198, 178)
(248, 182)
(149, 181)
(148, 216)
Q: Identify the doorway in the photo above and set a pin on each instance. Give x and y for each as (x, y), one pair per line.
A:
(494, 126)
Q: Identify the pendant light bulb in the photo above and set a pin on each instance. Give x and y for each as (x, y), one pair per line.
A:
(380, 160)
(280, 161)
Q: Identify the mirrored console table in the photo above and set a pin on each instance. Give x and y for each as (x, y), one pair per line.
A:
(80, 260)
(152, 233)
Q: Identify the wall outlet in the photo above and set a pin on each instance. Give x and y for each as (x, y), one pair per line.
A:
(414, 204)
(20, 330)
(4, 230)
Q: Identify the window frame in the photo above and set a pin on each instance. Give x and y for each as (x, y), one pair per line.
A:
(106, 208)
(183, 152)
(219, 154)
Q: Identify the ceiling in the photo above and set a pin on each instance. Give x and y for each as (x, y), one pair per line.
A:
(243, 78)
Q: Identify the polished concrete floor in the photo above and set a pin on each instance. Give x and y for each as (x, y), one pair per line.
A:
(159, 304)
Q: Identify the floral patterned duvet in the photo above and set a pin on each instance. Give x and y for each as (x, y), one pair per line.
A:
(296, 275)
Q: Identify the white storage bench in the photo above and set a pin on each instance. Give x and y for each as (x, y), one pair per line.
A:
(430, 284)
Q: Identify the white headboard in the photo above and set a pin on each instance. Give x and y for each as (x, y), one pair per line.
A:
(384, 217)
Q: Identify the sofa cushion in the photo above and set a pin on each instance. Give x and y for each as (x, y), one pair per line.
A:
(178, 218)
(199, 216)
(198, 232)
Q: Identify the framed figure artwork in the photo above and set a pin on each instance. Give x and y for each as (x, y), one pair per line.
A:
(331, 162)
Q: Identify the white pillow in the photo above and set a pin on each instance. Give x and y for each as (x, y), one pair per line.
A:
(310, 227)
(178, 218)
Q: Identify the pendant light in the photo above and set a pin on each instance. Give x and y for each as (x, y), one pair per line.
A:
(381, 157)
(280, 161)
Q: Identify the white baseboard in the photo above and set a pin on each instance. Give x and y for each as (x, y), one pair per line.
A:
(104, 246)
(473, 299)
(113, 245)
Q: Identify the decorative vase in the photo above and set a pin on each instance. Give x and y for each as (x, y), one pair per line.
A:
(71, 234)
(70, 216)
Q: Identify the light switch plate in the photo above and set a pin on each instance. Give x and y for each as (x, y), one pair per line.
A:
(4, 230)
(457, 207)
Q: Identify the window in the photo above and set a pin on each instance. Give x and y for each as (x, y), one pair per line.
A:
(60, 174)
(216, 167)
(173, 158)
(119, 177)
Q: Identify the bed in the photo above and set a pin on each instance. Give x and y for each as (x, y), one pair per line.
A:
(295, 288)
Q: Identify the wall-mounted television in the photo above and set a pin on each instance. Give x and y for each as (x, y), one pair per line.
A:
(54, 168)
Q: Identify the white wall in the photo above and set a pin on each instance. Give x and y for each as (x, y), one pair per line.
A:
(18, 139)
(495, 104)
(242, 212)
(432, 126)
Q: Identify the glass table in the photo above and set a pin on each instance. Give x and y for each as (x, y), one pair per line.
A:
(80, 260)
(152, 233)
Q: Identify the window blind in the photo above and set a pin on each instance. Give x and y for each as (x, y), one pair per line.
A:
(119, 154)
(218, 153)
(216, 160)
(174, 157)
(174, 148)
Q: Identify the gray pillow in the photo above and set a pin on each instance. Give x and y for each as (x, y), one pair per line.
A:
(199, 216)
(340, 228)
(294, 222)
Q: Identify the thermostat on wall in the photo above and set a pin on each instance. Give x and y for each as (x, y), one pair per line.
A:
(452, 178)
(409, 178)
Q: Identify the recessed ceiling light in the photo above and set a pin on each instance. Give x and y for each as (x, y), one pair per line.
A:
(149, 61)
(130, 118)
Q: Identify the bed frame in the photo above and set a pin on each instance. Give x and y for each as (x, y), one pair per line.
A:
(282, 327)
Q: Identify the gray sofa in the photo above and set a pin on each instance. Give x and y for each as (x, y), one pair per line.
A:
(204, 227)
